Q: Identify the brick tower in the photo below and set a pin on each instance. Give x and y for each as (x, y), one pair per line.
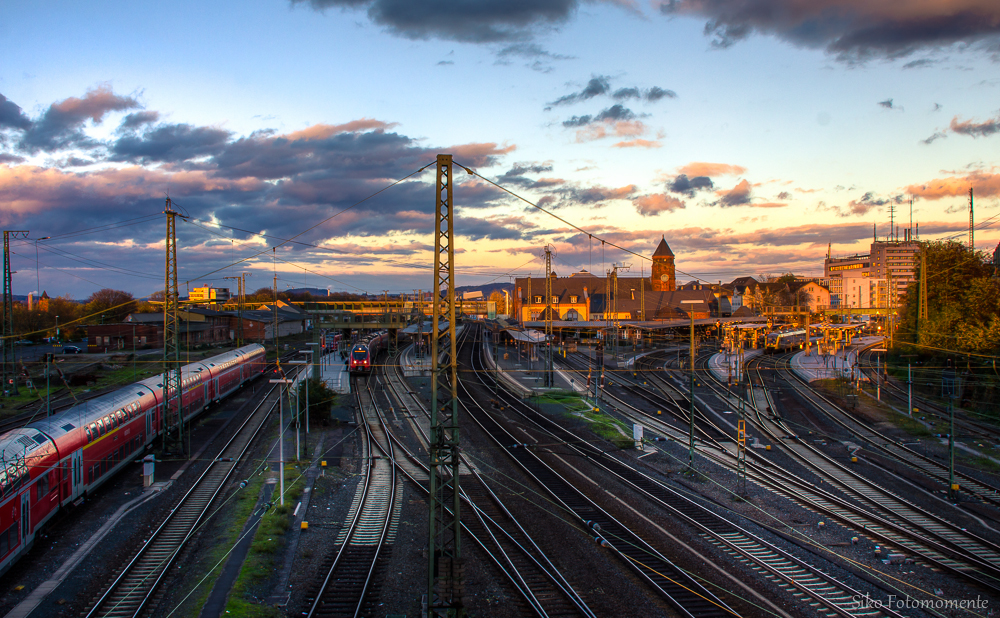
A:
(663, 278)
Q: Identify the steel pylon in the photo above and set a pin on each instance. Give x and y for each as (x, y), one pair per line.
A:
(445, 568)
(173, 414)
(7, 339)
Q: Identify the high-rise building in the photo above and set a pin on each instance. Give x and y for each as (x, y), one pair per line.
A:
(878, 279)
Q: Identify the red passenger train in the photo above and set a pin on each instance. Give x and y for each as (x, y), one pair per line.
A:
(364, 352)
(48, 464)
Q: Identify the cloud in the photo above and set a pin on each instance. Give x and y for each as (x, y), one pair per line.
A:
(976, 129)
(886, 104)
(596, 86)
(612, 114)
(851, 30)
(138, 119)
(737, 196)
(698, 168)
(657, 203)
(868, 202)
(170, 142)
(656, 93)
(541, 59)
(600, 85)
(516, 176)
(651, 95)
(984, 185)
(443, 63)
(61, 126)
(9, 158)
(688, 186)
(784, 195)
(611, 128)
(923, 63)
(934, 137)
(638, 143)
(12, 116)
(483, 21)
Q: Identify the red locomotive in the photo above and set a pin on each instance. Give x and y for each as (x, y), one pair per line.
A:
(364, 352)
(48, 464)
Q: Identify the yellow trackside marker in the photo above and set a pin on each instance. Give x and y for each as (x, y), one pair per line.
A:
(304, 525)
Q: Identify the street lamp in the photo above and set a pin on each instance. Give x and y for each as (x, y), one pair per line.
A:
(38, 285)
(691, 388)
(281, 435)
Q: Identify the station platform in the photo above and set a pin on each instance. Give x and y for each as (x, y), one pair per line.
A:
(525, 375)
(333, 372)
(725, 365)
(828, 366)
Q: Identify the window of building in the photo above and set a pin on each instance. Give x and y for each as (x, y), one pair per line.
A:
(538, 300)
(555, 300)
(574, 299)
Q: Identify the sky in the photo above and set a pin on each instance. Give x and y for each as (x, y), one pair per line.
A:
(754, 135)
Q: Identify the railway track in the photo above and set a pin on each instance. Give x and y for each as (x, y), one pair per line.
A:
(912, 528)
(920, 544)
(350, 572)
(974, 429)
(888, 447)
(544, 590)
(133, 591)
(824, 591)
(686, 594)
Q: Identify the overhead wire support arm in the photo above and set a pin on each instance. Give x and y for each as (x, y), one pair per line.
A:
(172, 395)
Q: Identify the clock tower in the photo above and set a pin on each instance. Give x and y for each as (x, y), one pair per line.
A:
(663, 278)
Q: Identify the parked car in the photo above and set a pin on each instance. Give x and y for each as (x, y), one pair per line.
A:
(25, 342)
(70, 349)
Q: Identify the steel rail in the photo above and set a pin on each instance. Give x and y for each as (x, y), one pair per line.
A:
(132, 589)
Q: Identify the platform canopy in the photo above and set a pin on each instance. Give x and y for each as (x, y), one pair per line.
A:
(527, 336)
(426, 327)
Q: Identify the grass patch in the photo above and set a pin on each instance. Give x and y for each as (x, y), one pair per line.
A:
(984, 463)
(570, 401)
(911, 425)
(607, 427)
(268, 540)
(244, 503)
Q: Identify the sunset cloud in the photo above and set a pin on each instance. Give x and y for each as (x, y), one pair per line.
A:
(976, 129)
(984, 185)
(657, 203)
(699, 168)
(638, 143)
(737, 196)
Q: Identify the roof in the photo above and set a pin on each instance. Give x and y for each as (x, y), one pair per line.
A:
(662, 249)
(529, 336)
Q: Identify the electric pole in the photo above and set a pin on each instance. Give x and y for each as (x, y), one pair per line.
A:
(549, 378)
(7, 340)
(445, 572)
(174, 430)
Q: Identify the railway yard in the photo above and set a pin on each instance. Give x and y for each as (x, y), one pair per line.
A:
(837, 506)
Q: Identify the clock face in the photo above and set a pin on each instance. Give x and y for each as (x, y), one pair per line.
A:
(664, 277)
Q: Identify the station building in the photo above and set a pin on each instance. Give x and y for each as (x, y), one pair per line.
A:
(584, 296)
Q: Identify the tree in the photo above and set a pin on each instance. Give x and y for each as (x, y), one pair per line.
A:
(963, 302)
(113, 305)
(321, 400)
(497, 297)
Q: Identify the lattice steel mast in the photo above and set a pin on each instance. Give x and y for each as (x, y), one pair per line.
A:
(7, 340)
(549, 378)
(445, 568)
(173, 415)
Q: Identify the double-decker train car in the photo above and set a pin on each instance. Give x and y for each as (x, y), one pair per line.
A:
(362, 357)
(51, 463)
(785, 340)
